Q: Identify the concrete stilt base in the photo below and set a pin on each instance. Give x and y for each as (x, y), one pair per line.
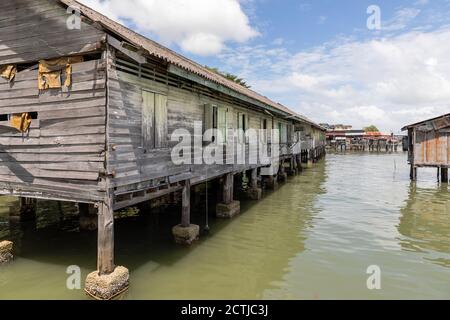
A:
(186, 235)
(228, 211)
(6, 255)
(254, 193)
(107, 287)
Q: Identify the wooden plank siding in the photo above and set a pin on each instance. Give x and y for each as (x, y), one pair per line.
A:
(63, 154)
(131, 102)
(31, 30)
(432, 148)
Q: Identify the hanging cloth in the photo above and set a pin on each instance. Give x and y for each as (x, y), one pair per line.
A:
(8, 72)
(21, 121)
(50, 71)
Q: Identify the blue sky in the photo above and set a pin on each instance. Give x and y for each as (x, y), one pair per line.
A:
(317, 57)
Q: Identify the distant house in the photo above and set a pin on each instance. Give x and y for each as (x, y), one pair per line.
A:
(429, 145)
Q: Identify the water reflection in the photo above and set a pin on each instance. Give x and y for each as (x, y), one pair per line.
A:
(424, 223)
(239, 258)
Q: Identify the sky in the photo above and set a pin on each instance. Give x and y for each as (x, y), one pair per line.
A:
(329, 60)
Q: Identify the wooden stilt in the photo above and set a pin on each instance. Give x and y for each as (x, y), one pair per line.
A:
(186, 205)
(444, 175)
(254, 192)
(228, 188)
(413, 173)
(228, 208)
(254, 178)
(105, 250)
(186, 233)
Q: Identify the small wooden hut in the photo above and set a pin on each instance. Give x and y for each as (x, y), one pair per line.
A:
(429, 145)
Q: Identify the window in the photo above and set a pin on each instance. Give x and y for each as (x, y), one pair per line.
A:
(243, 125)
(154, 120)
(283, 132)
(264, 132)
(217, 117)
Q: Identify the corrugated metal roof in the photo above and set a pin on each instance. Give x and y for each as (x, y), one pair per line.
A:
(161, 52)
(424, 121)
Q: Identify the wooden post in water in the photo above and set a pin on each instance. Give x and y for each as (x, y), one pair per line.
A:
(444, 175)
(413, 173)
(228, 187)
(228, 208)
(108, 281)
(186, 233)
(105, 241)
(254, 192)
(298, 159)
(186, 205)
(282, 175)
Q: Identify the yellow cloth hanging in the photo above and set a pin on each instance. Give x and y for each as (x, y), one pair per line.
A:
(50, 71)
(8, 72)
(21, 121)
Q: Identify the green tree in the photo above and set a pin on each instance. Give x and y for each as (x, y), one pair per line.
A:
(371, 128)
(230, 76)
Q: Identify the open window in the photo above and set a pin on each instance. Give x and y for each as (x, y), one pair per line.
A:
(154, 120)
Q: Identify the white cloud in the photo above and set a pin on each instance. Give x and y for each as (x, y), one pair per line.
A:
(388, 82)
(202, 27)
(401, 19)
(322, 20)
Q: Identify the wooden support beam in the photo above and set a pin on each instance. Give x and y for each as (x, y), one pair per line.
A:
(105, 241)
(228, 188)
(413, 173)
(186, 204)
(444, 175)
(253, 178)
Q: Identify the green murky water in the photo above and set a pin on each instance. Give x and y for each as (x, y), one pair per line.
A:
(313, 238)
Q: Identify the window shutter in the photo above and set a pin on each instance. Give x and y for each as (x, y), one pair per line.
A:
(148, 112)
(160, 121)
(208, 119)
(222, 122)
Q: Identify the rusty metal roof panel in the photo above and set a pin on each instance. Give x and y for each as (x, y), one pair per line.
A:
(437, 123)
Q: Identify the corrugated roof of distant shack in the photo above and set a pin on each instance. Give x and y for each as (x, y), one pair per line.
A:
(185, 67)
(447, 115)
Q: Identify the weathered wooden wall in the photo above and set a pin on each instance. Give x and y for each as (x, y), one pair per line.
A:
(432, 148)
(137, 167)
(63, 154)
(36, 29)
